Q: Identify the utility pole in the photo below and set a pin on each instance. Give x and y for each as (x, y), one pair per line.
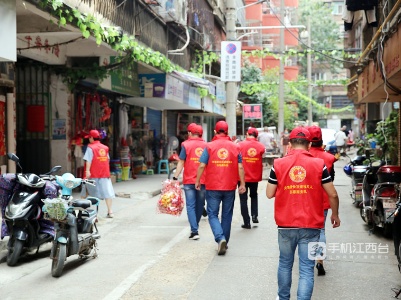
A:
(309, 73)
(281, 74)
(231, 86)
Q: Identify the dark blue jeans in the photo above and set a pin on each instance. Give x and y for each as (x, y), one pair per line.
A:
(221, 230)
(252, 187)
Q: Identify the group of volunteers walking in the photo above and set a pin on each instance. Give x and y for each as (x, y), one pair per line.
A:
(301, 183)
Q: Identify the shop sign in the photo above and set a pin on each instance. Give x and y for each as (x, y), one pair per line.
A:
(220, 92)
(207, 104)
(44, 48)
(152, 85)
(174, 89)
(124, 82)
(230, 61)
(252, 111)
(194, 99)
(219, 109)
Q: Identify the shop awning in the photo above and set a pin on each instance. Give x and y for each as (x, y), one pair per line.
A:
(192, 79)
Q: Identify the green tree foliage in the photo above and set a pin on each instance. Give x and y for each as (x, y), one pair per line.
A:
(325, 34)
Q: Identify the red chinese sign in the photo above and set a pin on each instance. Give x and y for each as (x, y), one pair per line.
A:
(252, 111)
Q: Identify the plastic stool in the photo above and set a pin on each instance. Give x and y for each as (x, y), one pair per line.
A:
(166, 167)
(149, 172)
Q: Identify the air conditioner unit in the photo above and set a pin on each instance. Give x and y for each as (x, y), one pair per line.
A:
(268, 45)
(173, 11)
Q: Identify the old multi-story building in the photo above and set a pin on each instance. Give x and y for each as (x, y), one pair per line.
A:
(60, 92)
(375, 85)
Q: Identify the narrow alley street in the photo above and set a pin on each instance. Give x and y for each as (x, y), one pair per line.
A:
(145, 255)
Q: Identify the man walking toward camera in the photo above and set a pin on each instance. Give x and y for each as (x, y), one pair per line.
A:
(251, 152)
(223, 163)
(191, 151)
(298, 181)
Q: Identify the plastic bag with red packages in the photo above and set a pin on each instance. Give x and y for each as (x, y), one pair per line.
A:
(171, 200)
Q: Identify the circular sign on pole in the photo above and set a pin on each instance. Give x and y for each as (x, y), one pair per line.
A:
(231, 48)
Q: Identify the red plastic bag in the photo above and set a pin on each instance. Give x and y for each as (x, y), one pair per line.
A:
(171, 200)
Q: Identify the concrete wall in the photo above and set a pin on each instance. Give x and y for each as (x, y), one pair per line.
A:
(61, 102)
(8, 32)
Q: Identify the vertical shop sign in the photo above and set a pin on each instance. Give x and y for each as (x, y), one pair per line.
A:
(230, 61)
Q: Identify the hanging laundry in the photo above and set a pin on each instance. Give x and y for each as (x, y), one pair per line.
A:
(349, 14)
(355, 5)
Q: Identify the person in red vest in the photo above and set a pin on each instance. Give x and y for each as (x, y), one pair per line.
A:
(317, 151)
(222, 161)
(98, 168)
(251, 152)
(297, 181)
(191, 151)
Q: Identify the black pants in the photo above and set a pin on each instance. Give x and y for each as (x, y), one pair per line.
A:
(252, 187)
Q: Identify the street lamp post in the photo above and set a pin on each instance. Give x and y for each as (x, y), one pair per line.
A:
(231, 89)
(281, 75)
(309, 70)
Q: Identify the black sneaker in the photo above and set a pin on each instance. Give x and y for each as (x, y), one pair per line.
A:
(194, 236)
(320, 269)
(246, 226)
(204, 212)
(255, 219)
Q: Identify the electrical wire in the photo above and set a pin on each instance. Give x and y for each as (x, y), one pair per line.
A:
(299, 40)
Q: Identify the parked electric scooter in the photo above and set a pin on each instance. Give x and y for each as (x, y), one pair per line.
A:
(74, 222)
(397, 233)
(380, 195)
(356, 170)
(23, 214)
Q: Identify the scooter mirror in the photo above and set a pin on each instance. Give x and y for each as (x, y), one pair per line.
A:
(13, 157)
(55, 169)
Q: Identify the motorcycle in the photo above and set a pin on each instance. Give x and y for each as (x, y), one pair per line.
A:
(397, 232)
(74, 222)
(356, 170)
(23, 214)
(379, 194)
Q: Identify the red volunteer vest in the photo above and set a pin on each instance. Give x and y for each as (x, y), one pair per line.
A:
(252, 151)
(193, 149)
(329, 160)
(222, 167)
(298, 201)
(100, 163)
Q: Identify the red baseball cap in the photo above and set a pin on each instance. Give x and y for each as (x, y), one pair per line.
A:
(93, 133)
(300, 133)
(315, 133)
(198, 130)
(253, 131)
(221, 126)
(191, 127)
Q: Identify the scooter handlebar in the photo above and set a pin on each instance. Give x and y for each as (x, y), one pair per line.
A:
(89, 181)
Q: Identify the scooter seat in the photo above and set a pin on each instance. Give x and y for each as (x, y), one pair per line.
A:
(93, 200)
(81, 203)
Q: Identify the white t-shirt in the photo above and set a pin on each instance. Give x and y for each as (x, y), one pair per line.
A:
(340, 138)
(266, 139)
